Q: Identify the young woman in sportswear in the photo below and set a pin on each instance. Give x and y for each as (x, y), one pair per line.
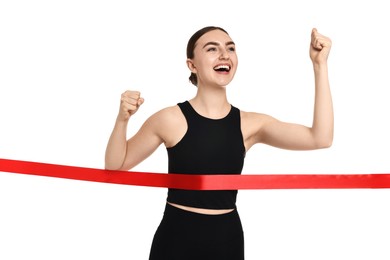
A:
(208, 135)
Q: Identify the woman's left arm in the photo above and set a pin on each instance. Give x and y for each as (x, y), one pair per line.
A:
(320, 134)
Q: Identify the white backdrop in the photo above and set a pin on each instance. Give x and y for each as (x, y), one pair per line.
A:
(64, 64)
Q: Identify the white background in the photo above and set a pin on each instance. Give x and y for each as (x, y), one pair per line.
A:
(64, 64)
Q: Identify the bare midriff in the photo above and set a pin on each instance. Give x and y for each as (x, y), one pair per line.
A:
(201, 210)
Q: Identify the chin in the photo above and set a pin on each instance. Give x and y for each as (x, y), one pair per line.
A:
(224, 83)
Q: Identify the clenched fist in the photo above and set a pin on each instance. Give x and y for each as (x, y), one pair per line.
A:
(130, 102)
(319, 47)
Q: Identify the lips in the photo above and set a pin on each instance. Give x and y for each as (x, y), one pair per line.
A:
(222, 68)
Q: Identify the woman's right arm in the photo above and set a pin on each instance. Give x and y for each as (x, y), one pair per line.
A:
(122, 154)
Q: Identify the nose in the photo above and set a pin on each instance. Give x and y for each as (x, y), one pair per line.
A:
(224, 55)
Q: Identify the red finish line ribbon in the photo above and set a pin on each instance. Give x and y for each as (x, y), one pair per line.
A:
(201, 182)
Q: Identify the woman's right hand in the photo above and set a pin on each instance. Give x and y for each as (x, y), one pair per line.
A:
(130, 102)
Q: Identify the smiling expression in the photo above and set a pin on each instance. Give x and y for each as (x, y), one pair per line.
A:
(215, 60)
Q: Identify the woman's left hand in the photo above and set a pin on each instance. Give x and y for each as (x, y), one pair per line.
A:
(319, 47)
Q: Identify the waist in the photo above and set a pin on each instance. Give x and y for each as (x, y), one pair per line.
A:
(202, 210)
(203, 199)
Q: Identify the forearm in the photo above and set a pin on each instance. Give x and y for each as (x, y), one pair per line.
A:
(323, 120)
(116, 147)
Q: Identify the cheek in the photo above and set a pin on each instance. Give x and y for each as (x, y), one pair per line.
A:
(235, 63)
(234, 58)
(205, 64)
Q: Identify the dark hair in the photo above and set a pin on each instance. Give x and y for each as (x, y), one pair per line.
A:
(192, 43)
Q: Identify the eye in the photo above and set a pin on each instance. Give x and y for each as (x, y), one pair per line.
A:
(212, 49)
(232, 49)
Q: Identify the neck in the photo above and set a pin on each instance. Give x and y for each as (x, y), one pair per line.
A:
(211, 102)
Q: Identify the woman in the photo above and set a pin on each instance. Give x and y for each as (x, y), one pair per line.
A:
(207, 135)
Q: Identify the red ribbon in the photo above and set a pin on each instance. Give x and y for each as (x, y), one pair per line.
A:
(201, 182)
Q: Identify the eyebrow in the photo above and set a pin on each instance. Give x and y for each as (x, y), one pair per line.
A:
(217, 44)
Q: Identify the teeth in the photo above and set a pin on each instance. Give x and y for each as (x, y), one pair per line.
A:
(222, 67)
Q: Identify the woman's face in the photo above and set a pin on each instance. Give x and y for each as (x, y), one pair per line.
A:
(215, 60)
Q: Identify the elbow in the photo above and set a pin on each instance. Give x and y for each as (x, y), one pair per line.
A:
(109, 167)
(322, 139)
(112, 163)
(117, 166)
(112, 167)
(324, 143)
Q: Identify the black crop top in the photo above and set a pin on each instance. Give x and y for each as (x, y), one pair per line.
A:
(210, 146)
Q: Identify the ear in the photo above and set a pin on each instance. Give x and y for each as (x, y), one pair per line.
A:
(191, 65)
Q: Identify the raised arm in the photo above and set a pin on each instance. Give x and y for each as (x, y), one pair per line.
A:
(122, 154)
(284, 135)
(322, 128)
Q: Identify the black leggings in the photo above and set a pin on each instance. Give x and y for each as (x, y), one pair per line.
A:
(185, 235)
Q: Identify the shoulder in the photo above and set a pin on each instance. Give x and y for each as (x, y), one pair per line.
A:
(254, 117)
(167, 115)
(165, 120)
(252, 121)
(168, 123)
(252, 125)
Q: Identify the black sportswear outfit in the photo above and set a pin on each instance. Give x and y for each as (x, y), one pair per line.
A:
(210, 146)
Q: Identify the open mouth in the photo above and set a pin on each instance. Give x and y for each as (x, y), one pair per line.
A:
(222, 68)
